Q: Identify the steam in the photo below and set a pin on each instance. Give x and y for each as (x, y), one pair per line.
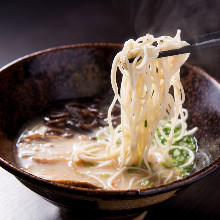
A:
(165, 17)
(194, 18)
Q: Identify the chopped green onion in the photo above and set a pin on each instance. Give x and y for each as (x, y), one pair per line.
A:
(145, 123)
(89, 164)
(176, 152)
(119, 142)
(106, 175)
(145, 182)
(178, 156)
(164, 141)
(134, 165)
(181, 159)
(144, 165)
(129, 170)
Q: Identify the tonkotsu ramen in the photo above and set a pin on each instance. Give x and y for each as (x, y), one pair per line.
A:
(141, 141)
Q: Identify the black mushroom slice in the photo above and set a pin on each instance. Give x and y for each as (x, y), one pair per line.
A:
(55, 122)
(91, 125)
(56, 115)
(116, 109)
(59, 132)
(116, 120)
(93, 110)
(80, 117)
(73, 123)
(102, 114)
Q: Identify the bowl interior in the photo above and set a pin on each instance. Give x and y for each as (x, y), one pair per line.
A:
(30, 85)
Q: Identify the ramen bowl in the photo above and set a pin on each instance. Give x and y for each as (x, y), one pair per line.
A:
(30, 84)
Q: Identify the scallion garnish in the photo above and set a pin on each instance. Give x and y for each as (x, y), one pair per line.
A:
(145, 123)
(89, 164)
(145, 182)
(106, 175)
(119, 142)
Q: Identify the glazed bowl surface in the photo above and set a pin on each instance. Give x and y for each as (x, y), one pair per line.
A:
(32, 83)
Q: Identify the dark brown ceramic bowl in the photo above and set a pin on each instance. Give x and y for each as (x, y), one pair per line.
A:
(30, 84)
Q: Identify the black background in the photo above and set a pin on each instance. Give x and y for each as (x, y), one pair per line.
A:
(30, 26)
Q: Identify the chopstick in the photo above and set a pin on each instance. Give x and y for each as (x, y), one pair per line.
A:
(198, 43)
(204, 37)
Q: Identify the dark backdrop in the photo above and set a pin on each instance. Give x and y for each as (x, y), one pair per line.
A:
(29, 26)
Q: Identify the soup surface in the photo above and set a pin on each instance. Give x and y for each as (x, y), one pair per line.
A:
(50, 149)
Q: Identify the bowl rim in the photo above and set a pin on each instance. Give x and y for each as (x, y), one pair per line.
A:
(27, 177)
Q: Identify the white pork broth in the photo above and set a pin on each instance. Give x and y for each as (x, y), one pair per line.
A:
(58, 158)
